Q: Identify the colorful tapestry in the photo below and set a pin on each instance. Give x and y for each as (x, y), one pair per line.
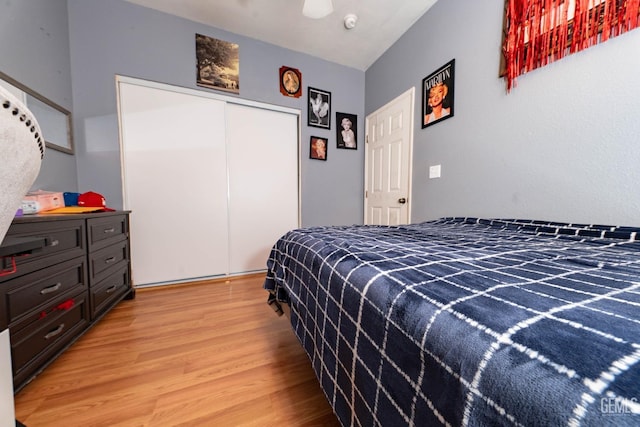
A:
(538, 32)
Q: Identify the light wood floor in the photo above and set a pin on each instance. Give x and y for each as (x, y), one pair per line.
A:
(207, 354)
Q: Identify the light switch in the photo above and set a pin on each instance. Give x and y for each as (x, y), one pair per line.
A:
(434, 171)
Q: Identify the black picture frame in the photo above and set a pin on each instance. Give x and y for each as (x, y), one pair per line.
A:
(442, 83)
(319, 108)
(347, 138)
(318, 147)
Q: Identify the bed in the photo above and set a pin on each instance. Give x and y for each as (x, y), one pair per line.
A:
(467, 321)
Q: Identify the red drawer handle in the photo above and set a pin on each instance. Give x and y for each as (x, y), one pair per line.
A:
(50, 289)
(5, 271)
(54, 332)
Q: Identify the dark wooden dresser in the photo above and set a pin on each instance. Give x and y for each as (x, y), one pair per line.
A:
(57, 293)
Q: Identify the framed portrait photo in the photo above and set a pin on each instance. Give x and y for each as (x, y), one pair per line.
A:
(319, 114)
(318, 148)
(290, 82)
(347, 131)
(437, 95)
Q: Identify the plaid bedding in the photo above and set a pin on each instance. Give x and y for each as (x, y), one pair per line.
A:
(464, 321)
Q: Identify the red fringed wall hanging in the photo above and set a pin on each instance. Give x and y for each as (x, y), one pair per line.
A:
(538, 32)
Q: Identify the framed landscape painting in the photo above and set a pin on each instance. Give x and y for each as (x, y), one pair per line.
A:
(218, 64)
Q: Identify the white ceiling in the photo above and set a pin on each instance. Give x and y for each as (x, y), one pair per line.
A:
(280, 22)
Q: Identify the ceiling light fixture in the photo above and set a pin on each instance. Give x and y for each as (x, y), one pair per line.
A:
(317, 8)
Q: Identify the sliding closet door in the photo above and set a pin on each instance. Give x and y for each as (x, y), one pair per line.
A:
(174, 174)
(262, 153)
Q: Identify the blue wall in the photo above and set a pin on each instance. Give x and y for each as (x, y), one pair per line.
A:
(115, 37)
(34, 50)
(564, 145)
(70, 52)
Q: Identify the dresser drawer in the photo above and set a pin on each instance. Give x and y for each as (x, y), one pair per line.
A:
(102, 232)
(110, 290)
(64, 240)
(59, 292)
(34, 345)
(36, 290)
(102, 262)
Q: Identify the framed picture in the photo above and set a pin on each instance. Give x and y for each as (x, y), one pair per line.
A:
(319, 108)
(347, 131)
(437, 95)
(54, 120)
(318, 148)
(290, 82)
(218, 64)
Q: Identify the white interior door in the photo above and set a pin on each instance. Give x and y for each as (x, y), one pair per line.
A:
(174, 178)
(262, 154)
(388, 159)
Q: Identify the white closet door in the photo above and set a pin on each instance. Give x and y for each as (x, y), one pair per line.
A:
(262, 153)
(174, 174)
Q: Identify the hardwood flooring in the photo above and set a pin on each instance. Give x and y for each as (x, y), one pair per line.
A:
(205, 354)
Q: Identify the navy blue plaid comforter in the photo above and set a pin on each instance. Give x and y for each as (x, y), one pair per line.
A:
(467, 322)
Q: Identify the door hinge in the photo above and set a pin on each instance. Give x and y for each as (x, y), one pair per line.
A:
(366, 193)
(366, 139)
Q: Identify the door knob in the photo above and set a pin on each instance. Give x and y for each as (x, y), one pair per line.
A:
(402, 200)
